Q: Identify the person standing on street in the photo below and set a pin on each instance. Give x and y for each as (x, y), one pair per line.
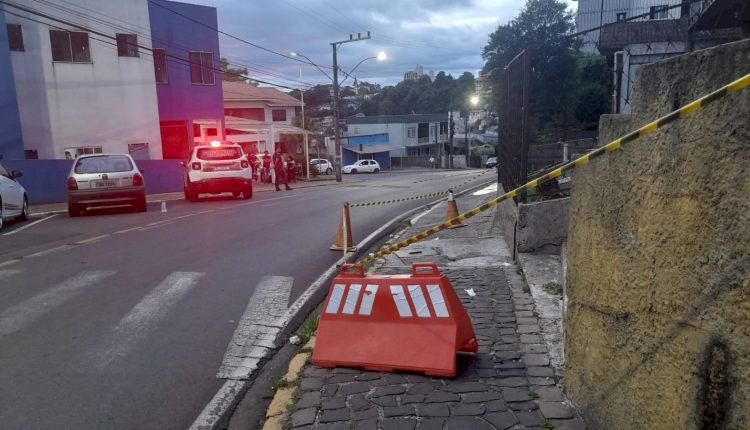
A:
(266, 173)
(279, 169)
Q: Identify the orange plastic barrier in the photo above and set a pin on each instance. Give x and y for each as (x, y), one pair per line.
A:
(389, 323)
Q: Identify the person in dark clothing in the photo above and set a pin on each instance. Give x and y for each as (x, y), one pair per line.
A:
(279, 169)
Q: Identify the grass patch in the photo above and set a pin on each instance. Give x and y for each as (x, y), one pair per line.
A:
(308, 329)
(547, 424)
(533, 394)
(305, 350)
(282, 383)
(553, 288)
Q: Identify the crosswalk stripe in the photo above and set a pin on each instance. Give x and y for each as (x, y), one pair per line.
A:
(254, 337)
(23, 314)
(145, 315)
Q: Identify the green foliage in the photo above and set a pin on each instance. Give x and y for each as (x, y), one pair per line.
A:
(565, 85)
(308, 328)
(282, 383)
(233, 74)
(533, 394)
(547, 424)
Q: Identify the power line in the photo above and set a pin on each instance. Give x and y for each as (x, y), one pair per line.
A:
(176, 58)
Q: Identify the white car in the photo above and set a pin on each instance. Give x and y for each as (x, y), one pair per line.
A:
(220, 167)
(323, 166)
(97, 180)
(14, 203)
(370, 166)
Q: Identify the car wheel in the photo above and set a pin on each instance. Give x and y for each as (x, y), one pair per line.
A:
(24, 210)
(329, 171)
(236, 194)
(192, 195)
(73, 210)
(141, 205)
(354, 170)
(2, 220)
(248, 193)
(376, 170)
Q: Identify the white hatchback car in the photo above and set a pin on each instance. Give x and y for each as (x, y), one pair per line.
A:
(14, 203)
(360, 166)
(219, 167)
(97, 180)
(323, 166)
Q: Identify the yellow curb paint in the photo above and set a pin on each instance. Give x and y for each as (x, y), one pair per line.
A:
(295, 366)
(281, 399)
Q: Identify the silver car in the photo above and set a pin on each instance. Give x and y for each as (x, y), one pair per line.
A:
(14, 203)
(105, 180)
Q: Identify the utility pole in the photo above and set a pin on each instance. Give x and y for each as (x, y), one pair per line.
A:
(304, 125)
(452, 129)
(336, 131)
(466, 136)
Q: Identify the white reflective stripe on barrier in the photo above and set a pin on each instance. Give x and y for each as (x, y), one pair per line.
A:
(333, 304)
(397, 291)
(420, 304)
(438, 301)
(351, 298)
(368, 299)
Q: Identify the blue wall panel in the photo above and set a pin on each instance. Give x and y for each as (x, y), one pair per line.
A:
(45, 180)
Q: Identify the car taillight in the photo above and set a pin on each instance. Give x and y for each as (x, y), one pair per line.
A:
(72, 184)
(195, 166)
(137, 180)
(244, 164)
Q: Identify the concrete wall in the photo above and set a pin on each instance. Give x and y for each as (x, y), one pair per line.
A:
(11, 143)
(109, 102)
(542, 226)
(659, 258)
(45, 180)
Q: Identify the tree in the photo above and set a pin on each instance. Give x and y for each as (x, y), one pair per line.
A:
(542, 28)
(234, 74)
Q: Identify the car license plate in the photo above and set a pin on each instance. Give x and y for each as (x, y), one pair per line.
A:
(220, 168)
(104, 184)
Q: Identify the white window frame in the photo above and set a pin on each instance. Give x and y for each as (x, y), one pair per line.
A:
(211, 70)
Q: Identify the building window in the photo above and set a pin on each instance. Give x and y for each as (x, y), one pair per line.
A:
(278, 115)
(74, 152)
(202, 68)
(15, 37)
(411, 132)
(70, 46)
(658, 12)
(160, 66)
(197, 130)
(212, 131)
(127, 45)
(621, 16)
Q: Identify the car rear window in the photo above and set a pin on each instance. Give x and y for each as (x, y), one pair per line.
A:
(216, 154)
(104, 164)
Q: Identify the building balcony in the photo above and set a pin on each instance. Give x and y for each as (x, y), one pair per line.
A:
(616, 36)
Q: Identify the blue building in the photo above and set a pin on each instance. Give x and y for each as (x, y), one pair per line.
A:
(371, 146)
(11, 142)
(186, 56)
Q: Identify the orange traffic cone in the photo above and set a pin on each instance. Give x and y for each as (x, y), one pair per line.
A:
(452, 210)
(344, 225)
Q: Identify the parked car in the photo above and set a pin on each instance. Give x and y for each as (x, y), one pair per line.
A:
(220, 167)
(14, 203)
(491, 162)
(105, 180)
(359, 166)
(323, 166)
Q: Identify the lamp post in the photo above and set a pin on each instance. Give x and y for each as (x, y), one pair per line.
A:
(474, 100)
(335, 79)
(304, 126)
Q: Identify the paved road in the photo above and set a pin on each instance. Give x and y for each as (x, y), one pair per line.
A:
(121, 320)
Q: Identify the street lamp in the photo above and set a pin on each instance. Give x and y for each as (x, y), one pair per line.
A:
(380, 56)
(473, 100)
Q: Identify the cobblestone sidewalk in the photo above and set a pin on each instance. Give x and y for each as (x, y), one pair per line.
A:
(508, 385)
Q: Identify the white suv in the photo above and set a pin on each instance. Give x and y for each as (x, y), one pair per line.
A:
(219, 167)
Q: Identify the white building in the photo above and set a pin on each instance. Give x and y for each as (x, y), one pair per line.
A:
(407, 135)
(257, 117)
(79, 92)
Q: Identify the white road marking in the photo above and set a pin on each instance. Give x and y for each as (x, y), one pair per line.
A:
(29, 225)
(25, 313)
(258, 328)
(145, 315)
(6, 273)
(224, 400)
(92, 239)
(49, 251)
(9, 262)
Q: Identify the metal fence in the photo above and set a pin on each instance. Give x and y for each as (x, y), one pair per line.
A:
(513, 146)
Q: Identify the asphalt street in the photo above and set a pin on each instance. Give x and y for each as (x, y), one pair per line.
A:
(120, 320)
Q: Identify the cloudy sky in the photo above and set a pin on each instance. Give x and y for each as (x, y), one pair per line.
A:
(440, 35)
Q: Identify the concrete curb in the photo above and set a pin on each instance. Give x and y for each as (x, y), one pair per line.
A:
(218, 411)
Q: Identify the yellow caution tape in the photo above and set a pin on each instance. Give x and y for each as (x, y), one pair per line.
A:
(423, 196)
(581, 161)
